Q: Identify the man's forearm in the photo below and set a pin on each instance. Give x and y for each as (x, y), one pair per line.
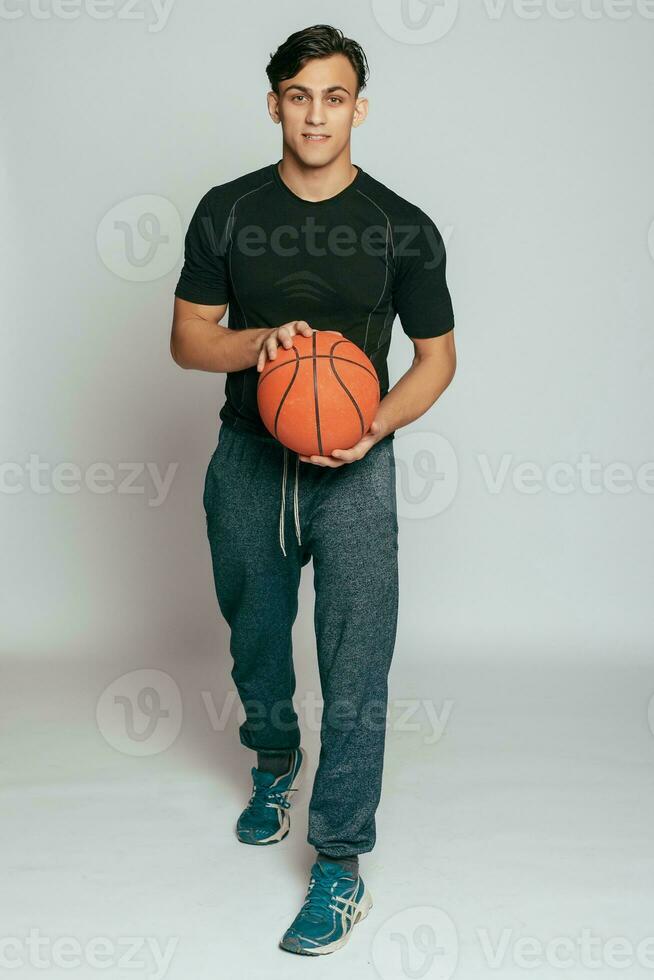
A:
(211, 347)
(415, 392)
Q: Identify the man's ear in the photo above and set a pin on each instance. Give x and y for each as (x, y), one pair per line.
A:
(360, 112)
(273, 106)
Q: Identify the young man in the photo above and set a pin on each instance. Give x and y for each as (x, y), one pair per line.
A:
(311, 242)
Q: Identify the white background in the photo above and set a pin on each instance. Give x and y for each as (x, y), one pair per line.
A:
(526, 135)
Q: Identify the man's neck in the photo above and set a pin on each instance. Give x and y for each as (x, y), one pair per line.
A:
(317, 183)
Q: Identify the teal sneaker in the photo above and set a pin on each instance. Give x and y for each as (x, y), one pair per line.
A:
(336, 900)
(265, 820)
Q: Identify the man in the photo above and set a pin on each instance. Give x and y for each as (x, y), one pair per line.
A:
(311, 242)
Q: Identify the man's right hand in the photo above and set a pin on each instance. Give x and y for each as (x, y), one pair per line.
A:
(283, 335)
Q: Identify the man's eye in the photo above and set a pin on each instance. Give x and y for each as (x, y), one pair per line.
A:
(333, 98)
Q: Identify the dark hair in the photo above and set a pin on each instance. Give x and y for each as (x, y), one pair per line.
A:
(318, 41)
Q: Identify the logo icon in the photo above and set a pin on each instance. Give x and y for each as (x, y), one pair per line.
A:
(415, 21)
(417, 942)
(427, 474)
(140, 713)
(141, 239)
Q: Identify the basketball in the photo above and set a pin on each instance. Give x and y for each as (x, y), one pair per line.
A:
(318, 395)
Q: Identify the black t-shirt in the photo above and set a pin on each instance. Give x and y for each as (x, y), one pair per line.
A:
(351, 263)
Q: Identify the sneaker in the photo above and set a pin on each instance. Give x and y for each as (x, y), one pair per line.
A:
(336, 900)
(265, 820)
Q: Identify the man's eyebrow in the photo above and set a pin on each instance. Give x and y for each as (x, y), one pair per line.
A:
(330, 88)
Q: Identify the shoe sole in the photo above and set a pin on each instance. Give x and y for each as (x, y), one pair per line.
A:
(363, 908)
(285, 826)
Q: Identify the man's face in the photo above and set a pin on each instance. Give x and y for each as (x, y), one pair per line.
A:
(319, 101)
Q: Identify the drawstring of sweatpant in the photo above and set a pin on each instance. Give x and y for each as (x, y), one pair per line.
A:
(296, 502)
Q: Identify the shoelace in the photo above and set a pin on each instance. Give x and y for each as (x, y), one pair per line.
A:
(263, 796)
(321, 892)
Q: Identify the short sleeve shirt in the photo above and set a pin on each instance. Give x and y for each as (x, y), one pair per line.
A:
(351, 262)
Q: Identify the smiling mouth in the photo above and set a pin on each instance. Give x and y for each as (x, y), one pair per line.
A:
(314, 137)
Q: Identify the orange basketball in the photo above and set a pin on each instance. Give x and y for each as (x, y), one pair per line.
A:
(318, 395)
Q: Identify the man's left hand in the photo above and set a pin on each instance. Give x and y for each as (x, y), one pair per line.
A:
(340, 456)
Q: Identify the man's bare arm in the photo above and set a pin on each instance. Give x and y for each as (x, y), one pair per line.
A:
(432, 369)
(198, 340)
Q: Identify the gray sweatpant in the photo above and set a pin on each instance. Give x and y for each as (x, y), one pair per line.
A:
(268, 513)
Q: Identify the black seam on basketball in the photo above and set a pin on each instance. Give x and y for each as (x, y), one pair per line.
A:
(350, 396)
(288, 388)
(307, 357)
(344, 340)
(315, 393)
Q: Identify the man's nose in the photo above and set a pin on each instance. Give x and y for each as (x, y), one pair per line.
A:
(316, 115)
